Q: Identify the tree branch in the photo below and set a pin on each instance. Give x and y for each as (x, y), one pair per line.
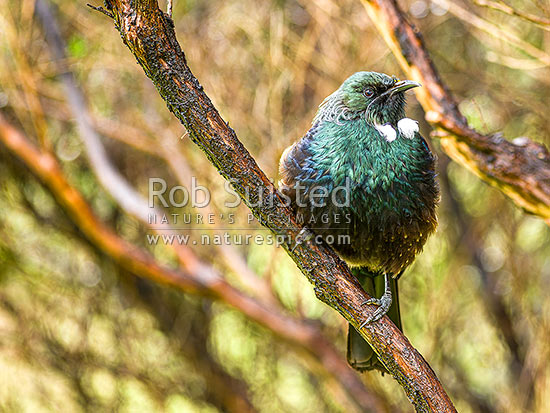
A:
(200, 278)
(150, 36)
(520, 169)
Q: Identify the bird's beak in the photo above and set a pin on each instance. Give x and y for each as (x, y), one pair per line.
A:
(402, 86)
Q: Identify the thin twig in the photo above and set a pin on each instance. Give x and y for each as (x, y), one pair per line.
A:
(101, 10)
(494, 30)
(502, 7)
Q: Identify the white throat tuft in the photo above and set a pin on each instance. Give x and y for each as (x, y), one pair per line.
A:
(387, 131)
(407, 127)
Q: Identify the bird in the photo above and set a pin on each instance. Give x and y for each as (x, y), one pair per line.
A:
(364, 180)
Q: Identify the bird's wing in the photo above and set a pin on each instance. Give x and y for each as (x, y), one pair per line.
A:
(296, 165)
(291, 165)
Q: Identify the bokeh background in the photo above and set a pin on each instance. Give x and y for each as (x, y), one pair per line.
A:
(80, 333)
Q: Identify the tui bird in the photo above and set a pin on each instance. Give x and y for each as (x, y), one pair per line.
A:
(364, 177)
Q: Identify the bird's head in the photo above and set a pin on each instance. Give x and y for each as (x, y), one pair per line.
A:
(376, 96)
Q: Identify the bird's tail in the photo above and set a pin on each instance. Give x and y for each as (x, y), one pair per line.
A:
(360, 355)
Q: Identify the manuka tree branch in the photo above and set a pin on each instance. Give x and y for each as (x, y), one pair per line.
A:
(520, 169)
(150, 36)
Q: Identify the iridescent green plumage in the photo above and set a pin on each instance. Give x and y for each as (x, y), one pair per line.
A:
(361, 140)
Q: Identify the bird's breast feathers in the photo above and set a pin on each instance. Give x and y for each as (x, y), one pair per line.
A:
(388, 173)
(364, 153)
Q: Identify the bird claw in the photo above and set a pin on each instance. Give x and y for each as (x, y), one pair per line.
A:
(303, 236)
(383, 304)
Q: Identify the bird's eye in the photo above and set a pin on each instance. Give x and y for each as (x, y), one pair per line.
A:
(368, 92)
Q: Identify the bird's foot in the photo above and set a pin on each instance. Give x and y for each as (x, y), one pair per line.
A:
(303, 236)
(383, 304)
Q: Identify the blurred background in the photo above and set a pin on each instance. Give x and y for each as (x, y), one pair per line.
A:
(80, 332)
